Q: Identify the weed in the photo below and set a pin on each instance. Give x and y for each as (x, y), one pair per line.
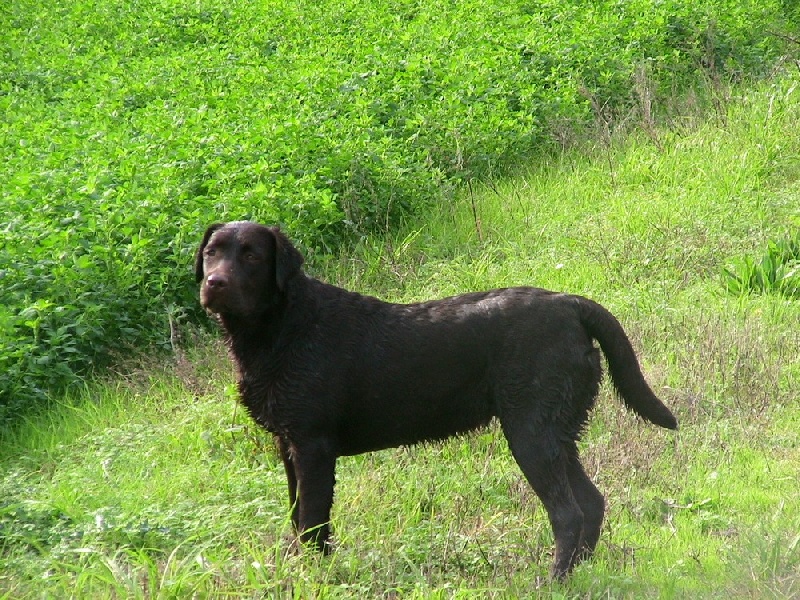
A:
(778, 270)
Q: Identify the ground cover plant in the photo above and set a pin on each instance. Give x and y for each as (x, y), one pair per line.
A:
(776, 270)
(128, 126)
(152, 484)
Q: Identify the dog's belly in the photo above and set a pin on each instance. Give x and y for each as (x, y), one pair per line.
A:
(391, 420)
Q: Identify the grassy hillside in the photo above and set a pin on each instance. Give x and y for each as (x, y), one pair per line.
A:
(128, 126)
(152, 484)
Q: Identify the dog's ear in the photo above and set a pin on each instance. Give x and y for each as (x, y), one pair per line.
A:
(288, 259)
(198, 258)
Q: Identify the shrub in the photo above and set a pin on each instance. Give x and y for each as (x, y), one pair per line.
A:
(777, 271)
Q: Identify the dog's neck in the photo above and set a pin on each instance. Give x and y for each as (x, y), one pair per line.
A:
(246, 337)
(254, 339)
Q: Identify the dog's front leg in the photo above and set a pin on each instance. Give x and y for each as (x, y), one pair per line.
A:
(315, 465)
(291, 479)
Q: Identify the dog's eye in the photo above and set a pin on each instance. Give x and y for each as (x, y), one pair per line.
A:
(210, 252)
(251, 257)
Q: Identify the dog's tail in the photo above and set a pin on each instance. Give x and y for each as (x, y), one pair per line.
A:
(622, 364)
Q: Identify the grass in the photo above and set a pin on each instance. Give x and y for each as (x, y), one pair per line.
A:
(127, 126)
(152, 484)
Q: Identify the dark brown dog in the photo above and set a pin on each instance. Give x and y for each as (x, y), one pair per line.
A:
(331, 373)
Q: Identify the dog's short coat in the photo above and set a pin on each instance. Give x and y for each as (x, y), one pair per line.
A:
(331, 373)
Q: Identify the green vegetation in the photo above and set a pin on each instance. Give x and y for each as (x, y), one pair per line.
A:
(643, 154)
(777, 271)
(127, 127)
(152, 484)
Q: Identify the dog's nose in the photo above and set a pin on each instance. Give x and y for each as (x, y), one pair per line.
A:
(216, 280)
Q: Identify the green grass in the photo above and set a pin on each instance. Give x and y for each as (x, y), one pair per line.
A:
(128, 126)
(153, 484)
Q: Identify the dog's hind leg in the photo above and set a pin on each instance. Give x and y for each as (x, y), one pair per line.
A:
(589, 499)
(541, 456)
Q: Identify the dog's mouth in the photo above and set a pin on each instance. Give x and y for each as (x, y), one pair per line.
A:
(213, 300)
(225, 302)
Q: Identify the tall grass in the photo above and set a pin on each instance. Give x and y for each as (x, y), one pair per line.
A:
(152, 484)
(128, 126)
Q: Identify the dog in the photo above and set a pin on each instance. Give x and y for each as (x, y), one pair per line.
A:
(331, 373)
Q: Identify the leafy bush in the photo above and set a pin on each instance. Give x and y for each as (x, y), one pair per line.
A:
(777, 271)
(128, 127)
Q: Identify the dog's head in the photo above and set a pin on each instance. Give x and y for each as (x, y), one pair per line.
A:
(242, 267)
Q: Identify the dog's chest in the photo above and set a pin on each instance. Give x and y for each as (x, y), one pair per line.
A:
(263, 398)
